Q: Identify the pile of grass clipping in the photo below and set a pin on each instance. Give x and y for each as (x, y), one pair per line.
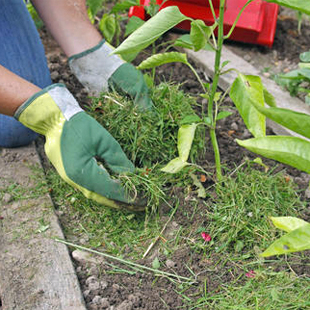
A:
(148, 138)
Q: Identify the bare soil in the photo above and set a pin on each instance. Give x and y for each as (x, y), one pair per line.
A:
(123, 291)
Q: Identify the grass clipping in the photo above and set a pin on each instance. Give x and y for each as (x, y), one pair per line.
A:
(149, 138)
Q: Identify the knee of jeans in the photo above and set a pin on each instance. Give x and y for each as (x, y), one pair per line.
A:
(14, 134)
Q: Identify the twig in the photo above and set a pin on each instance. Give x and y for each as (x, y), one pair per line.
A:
(158, 237)
(126, 262)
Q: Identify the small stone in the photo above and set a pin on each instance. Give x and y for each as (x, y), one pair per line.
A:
(103, 284)
(105, 303)
(91, 279)
(115, 287)
(234, 126)
(247, 57)
(86, 293)
(170, 263)
(246, 134)
(7, 198)
(83, 257)
(97, 300)
(267, 74)
(94, 286)
(135, 299)
(307, 193)
(125, 305)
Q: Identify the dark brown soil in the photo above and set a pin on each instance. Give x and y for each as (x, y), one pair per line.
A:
(122, 291)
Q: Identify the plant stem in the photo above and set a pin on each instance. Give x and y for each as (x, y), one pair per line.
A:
(123, 261)
(217, 72)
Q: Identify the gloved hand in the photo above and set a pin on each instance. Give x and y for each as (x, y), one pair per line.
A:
(97, 70)
(73, 141)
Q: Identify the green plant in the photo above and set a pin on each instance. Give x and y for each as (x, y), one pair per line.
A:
(200, 35)
(297, 81)
(296, 239)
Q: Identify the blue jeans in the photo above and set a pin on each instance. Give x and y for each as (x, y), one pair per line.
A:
(22, 52)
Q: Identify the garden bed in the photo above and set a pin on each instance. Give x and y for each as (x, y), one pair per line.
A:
(215, 241)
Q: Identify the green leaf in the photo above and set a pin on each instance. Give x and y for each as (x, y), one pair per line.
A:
(94, 6)
(161, 59)
(184, 41)
(186, 136)
(305, 57)
(156, 263)
(223, 114)
(288, 223)
(133, 24)
(107, 26)
(123, 6)
(288, 150)
(246, 92)
(296, 121)
(200, 33)
(175, 165)
(164, 20)
(299, 5)
(189, 119)
(294, 241)
(269, 98)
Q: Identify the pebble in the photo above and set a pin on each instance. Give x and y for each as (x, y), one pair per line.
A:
(234, 126)
(97, 300)
(86, 293)
(307, 193)
(103, 284)
(170, 263)
(115, 287)
(125, 305)
(247, 57)
(7, 198)
(83, 257)
(105, 303)
(91, 279)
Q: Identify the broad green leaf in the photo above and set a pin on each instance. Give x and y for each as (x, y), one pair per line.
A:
(305, 57)
(296, 121)
(200, 33)
(133, 24)
(223, 114)
(285, 149)
(175, 165)
(164, 20)
(186, 136)
(161, 59)
(305, 72)
(299, 5)
(246, 92)
(107, 26)
(184, 41)
(294, 241)
(269, 98)
(288, 223)
(123, 6)
(189, 119)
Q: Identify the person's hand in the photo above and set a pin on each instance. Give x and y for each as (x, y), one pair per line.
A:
(74, 142)
(97, 70)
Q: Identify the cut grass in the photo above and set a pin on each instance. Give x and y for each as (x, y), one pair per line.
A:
(266, 291)
(148, 137)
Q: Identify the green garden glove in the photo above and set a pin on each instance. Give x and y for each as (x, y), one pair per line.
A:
(98, 71)
(73, 142)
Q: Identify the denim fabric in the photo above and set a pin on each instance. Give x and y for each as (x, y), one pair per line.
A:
(22, 52)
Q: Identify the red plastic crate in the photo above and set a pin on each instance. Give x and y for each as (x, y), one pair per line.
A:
(257, 24)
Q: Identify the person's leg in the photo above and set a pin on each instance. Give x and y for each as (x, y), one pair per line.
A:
(21, 52)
